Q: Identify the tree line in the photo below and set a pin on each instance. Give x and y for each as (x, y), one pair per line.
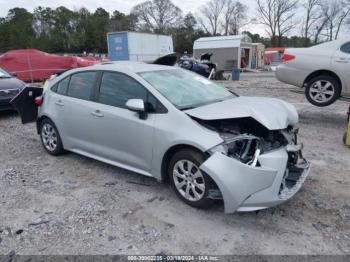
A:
(62, 30)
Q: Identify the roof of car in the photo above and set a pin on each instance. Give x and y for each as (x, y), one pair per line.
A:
(135, 67)
(331, 44)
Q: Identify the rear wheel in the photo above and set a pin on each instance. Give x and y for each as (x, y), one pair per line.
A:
(190, 183)
(50, 138)
(322, 90)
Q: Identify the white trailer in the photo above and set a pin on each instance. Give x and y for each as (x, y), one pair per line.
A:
(228, 51)
(135, 46)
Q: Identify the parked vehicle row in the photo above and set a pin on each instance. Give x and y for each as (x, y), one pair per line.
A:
(175, 125)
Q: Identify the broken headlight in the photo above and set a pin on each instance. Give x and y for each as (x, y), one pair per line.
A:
(243, 147)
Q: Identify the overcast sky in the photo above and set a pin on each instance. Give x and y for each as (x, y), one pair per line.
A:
(120, 5)
(110, 5)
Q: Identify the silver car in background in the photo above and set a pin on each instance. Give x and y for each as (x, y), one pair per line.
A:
(172, 124)
(323, 70)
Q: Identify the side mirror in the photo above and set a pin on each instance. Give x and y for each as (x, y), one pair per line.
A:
(138, 106)
(13, 74)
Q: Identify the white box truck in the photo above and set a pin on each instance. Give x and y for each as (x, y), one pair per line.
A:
(135, 46)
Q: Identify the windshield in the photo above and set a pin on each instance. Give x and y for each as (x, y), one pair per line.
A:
(4, 74)
(185, 89)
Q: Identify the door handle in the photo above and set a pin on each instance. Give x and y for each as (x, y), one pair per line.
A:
(59, 103)
(342, 60)
(97, 113)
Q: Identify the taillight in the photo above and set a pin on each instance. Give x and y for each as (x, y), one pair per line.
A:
(286, 58)
(39, 100)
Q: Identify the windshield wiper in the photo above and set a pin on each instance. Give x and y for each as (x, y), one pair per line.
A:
(194, 106)
(187, 108)
(201, 104)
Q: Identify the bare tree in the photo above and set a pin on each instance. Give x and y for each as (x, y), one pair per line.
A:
(228, 10)
(319, 28)
(158, 15)
(345, 13)
(238, 18)
(211, 15)
(285, 13)
(313, 15)
(335, 13)
(267, 16)
(277, 16)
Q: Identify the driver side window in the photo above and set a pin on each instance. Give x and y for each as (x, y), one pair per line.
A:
(116, 89)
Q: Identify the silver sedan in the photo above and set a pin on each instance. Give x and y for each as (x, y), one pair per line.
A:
(323, 70)
(174, 125)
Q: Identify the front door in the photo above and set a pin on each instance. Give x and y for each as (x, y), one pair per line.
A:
(120, 134)
(341, 65)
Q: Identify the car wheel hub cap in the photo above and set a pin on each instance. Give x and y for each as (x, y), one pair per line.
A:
(189, 180)
(322, 91)
(49, 137)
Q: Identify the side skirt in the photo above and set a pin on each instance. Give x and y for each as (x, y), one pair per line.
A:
(113, 163)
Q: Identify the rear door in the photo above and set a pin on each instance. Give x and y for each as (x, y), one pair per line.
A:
(341, 65)
(73, 108)
(24, 103)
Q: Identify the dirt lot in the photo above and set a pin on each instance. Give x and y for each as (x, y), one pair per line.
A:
(75, 205)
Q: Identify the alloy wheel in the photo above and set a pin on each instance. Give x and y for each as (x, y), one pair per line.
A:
(189, 180)
(49, 137)
(322, 91)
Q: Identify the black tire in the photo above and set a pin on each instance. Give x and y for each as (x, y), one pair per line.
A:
(323, 79)
(197, 159)
(57, 149)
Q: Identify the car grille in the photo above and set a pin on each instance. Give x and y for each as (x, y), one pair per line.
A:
(9, 93)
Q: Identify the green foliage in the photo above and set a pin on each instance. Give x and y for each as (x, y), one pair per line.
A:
(16, 29)
(294, 41)
(186, 34)
(62, 30)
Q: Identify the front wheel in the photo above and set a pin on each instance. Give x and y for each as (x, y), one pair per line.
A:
(190, 183)
(322, 90)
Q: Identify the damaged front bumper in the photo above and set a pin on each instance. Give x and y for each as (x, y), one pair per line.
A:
(248, 188)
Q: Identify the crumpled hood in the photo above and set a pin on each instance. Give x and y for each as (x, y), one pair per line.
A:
(273, 113)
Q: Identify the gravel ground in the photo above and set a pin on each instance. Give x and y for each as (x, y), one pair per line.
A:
(74, 205)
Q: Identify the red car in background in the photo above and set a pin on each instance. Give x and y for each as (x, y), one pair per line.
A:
(35, 65)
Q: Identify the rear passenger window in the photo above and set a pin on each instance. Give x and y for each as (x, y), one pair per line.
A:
(116, 89)
(81, 85)
(63, 86)
(346, 48)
